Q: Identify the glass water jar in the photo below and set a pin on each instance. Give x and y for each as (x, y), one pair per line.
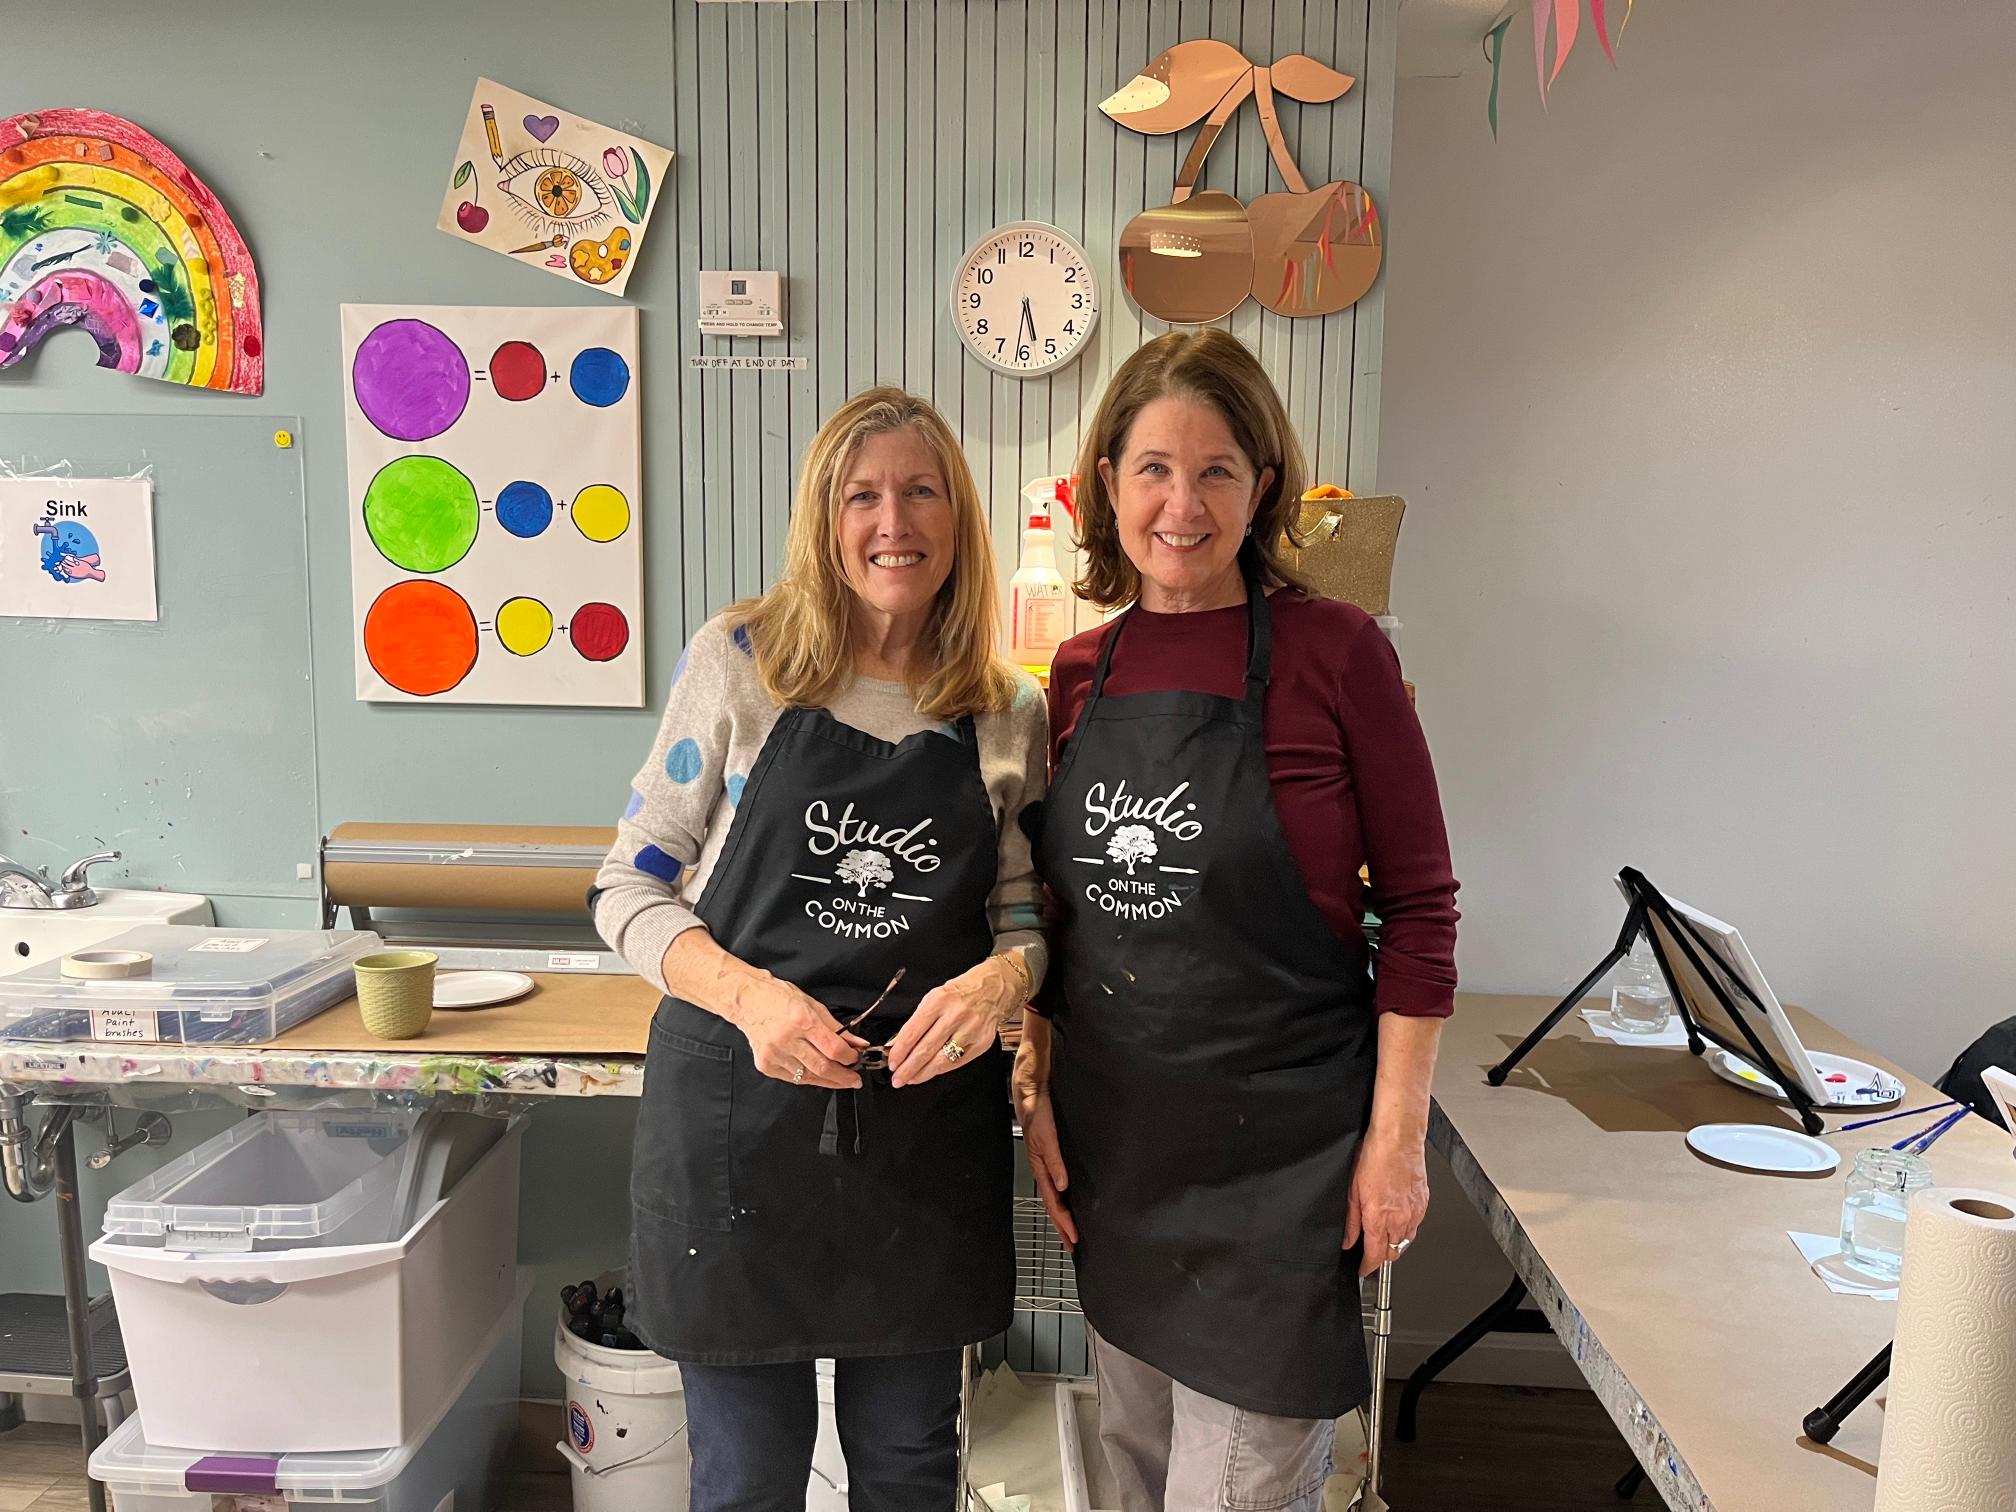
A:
(1873, 1211)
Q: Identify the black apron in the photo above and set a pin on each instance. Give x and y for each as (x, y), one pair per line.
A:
(1214, 1053)
(779, 1222)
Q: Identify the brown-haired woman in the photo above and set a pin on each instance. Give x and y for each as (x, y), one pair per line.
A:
(1240, 1090)
(823, 1163)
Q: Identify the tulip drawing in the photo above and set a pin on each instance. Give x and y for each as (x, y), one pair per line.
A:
(632, 199)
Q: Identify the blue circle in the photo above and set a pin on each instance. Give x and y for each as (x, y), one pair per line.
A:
(599, 377)
(682, 762)
(680, 670)
(654, 862)
(579, 1428)
(635, 806)
(524, 509)
(742, 641)
(735, 786)
(64, 538)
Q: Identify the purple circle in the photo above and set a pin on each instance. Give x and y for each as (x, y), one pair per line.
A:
(411, 381)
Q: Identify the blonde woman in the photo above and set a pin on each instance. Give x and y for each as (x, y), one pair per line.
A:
(823, 1162)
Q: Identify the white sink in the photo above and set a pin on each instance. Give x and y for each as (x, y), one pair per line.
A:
(32, 935)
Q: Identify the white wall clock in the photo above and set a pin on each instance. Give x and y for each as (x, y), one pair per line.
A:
(1024, 299)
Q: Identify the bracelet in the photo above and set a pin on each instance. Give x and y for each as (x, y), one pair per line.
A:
(1014, 959)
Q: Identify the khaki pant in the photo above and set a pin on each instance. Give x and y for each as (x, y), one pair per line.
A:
(1172, 1449)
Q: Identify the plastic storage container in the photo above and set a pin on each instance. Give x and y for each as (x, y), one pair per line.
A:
(315, 1347)
(205, 986)
(277, 1181)
(453, 1462)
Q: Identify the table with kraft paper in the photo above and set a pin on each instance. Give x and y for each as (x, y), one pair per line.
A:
(1668, 1279)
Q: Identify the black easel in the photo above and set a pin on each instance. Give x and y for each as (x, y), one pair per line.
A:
(1648, 903)
(1822, 1423)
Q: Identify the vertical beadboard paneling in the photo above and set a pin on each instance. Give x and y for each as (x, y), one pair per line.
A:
(858, 147)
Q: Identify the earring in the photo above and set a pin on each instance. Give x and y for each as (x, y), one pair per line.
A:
(1249, 530)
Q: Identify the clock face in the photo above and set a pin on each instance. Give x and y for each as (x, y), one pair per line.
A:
(1024, 299)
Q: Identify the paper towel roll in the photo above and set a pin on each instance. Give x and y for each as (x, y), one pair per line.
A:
(1949, 1427)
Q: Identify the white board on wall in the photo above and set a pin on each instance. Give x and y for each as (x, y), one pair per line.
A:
(495, 484)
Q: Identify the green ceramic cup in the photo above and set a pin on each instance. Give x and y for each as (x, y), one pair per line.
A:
(395, 992)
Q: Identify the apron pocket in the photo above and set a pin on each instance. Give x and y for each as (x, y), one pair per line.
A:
(1298, 1143)
(681, 1163)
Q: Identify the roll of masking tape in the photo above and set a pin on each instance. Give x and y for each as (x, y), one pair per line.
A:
(108, 965)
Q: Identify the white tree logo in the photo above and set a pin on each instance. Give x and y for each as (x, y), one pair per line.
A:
(1130, 845)
(865, 869)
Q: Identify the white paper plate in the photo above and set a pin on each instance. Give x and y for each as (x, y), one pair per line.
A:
(1761, 1147)
(478, 989)
(1848, 1093)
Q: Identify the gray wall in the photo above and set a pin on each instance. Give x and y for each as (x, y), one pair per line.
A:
(857, 147)
(1700, 387)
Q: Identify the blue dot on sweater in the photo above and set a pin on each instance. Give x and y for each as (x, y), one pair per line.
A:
(735, 785)
(682, 762)
(742, 641)
(680, 670)
(1026, 692)
(636, 803)
(665, 868)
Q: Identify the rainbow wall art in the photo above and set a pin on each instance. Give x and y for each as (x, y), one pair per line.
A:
(101, 226)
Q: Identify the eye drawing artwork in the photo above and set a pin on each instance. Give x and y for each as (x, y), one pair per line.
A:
(556, 190)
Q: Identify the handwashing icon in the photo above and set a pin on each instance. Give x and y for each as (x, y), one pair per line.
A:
(69, 552)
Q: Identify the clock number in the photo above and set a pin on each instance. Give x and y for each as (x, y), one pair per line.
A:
(973, 299)
(985, 275)
(1025, 249)
(1000, 342)
(980, 326)
(1077, 301)
(1049, 346)
(1070, 275)
(1022, 353)
(1070, 328)
(1001, 255)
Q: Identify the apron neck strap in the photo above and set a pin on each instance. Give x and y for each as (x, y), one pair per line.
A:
(1259, 645)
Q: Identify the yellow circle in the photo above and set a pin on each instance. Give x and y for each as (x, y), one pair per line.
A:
(524, 625)
(283, 439)
(600, 512)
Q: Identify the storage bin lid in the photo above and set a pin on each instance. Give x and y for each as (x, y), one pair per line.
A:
(275, 1179)
(211, 973)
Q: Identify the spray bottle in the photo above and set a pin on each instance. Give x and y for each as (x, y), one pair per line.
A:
(1039, 607)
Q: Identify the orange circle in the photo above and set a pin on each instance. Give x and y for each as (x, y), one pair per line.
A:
(420, 637)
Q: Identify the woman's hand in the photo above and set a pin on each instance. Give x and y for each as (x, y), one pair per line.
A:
(1389, 1197)
(969, 1009)
(1039, 1126)
(792, 1037)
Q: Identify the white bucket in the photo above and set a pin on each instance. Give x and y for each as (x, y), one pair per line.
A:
(626, 1429)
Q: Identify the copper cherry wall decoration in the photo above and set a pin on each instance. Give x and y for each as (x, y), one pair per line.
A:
(1195, 259)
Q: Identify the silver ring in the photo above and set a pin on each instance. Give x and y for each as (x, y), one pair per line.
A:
(798, 1075)
(1400, 1246)
(953, 1050)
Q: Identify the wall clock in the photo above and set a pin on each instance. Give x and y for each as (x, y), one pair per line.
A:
(1024, 299)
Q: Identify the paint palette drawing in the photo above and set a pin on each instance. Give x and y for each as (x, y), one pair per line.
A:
(495, 478)
(552, 190)
(104, 228)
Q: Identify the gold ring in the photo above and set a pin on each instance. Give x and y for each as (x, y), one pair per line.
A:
(953, 1050)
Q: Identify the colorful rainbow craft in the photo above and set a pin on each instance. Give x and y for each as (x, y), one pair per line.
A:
(101, 226)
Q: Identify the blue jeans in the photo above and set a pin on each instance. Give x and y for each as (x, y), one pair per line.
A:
(752, 1429)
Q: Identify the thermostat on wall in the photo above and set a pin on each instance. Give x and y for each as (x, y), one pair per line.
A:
(741, 304)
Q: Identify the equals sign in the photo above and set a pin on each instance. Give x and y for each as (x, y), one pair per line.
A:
(482, 373)
(485, 625)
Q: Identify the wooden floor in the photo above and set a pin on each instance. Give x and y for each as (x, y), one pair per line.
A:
(1481, 1449)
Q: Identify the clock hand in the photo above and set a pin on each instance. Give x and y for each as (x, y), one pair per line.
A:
(1028, 317)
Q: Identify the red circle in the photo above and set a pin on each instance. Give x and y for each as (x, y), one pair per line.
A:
(599, 632)
(518, 371)
(420, 637)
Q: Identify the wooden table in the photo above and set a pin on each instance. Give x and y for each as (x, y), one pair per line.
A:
(1669, 1279)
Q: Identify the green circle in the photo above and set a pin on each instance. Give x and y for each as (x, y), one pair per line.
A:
(421, 513)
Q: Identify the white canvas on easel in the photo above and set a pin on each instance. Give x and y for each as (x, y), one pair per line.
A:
(495, 493)
(77, 548)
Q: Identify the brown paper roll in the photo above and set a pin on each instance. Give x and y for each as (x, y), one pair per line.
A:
(448, 880)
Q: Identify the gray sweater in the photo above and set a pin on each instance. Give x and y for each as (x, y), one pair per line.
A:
(716, 720)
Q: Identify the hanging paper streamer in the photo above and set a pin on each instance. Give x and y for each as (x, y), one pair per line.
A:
(1602, 29)
(101, 226)
(1567, 23)
(1494, 49)
(1543, 12)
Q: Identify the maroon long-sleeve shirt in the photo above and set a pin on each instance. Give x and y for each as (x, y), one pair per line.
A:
(1353, 783)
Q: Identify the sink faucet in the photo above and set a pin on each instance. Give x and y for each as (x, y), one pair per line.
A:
(70, 891)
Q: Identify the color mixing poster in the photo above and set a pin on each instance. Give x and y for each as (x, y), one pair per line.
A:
(495, 478)
(77, 548)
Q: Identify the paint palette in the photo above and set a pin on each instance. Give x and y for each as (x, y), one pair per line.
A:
(495, 470)
(1849, 1083)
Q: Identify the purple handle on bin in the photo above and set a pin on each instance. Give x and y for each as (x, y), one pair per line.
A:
(234, 1476)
